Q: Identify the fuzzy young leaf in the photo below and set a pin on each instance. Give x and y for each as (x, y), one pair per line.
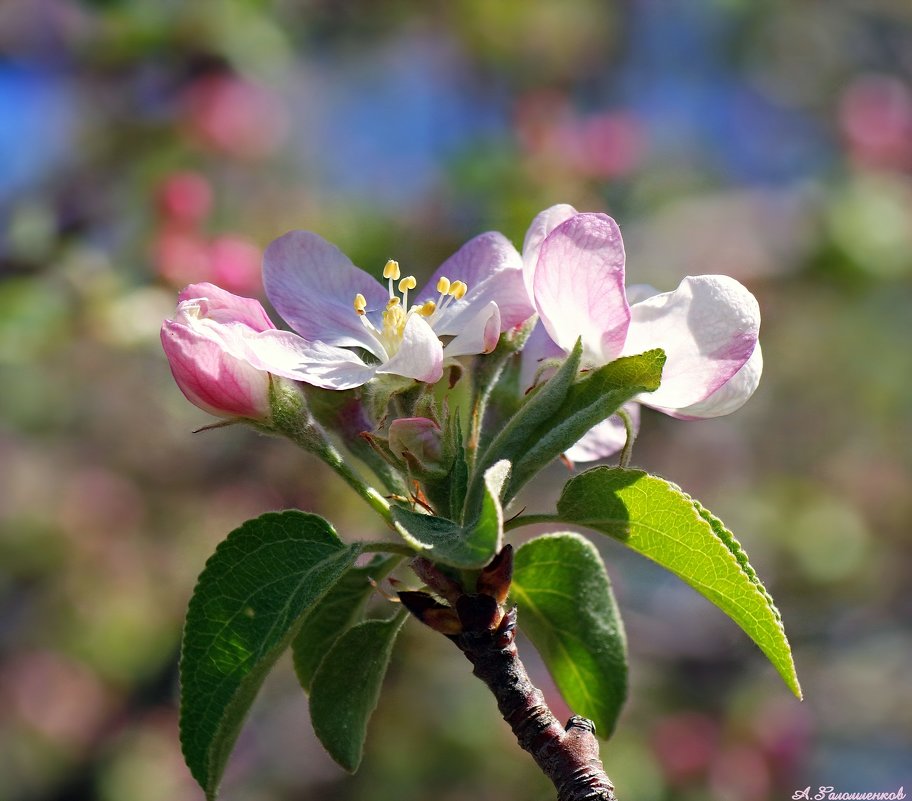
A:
(588, 402)
(448, 542)
(513, 441)
(248, 604)
(336, 612)
(346, 687)
(655, 518)
(567, 609)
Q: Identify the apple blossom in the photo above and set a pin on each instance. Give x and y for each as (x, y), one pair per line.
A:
(206, 343)
(574, 272)
(334, 306)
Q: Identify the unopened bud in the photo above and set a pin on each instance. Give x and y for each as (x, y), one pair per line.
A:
(419, 437)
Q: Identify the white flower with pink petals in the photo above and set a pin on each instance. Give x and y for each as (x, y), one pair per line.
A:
(335, 307)
(708, 327)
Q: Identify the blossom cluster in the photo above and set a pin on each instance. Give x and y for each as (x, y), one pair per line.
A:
(349, 330)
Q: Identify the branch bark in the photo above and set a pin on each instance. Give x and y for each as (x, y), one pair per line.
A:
(481, 627)
(569, 756)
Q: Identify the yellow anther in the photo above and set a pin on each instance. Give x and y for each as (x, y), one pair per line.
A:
(360, 303)
(427, 308)
(394, 301)
(407, 283)
(458, 289)
(443, 285)
(391, 270)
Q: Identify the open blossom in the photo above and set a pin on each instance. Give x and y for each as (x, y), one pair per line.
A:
(708, 327)
(207, 343)
(335, 306)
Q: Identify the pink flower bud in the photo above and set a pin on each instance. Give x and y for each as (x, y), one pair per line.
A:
(419, 436)
(207, 344)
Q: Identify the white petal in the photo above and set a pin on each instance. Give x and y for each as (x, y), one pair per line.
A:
(579, 286)
(288, 355)
(479, 335)
(492, 269)
(708, 328)
(312, 284)
(730, 397)
(543, 224)
(420, 356)
(605, 439)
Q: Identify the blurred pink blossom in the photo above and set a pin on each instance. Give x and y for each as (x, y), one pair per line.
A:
(875, 114)
(235, 263)
(235, 116)
(606, 144)
(185, 198)
(684, 745)
(184, 256)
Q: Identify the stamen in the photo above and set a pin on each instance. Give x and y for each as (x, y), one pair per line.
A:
(443, 285)
(360, 303)
(393, 301)
(407, 283)
(391, 270)
(427, 308)
(456, 291)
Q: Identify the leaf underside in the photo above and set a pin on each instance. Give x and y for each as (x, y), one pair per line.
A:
(346, 687)
(567, 609)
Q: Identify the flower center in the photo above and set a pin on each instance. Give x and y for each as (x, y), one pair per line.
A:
(397, 311)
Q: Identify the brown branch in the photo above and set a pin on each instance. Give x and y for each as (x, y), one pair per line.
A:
(484, 631)
(568, 756)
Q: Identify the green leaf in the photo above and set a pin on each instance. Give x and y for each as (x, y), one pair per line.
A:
(337, 611)
(451, 544)
(347, 684)
(247, 606)
(655, 518)
(590, 401)
(567, 609)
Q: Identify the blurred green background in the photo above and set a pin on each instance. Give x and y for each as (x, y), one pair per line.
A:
(145, 145)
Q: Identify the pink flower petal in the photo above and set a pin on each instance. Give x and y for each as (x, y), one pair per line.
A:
(312, 284)
(420, 356)
(543, 224)
(579, 286)
(210, 377)
(224, 307)
(605, 439)
(478, 335)
(708, 328)
(728, 398)
(492, 269)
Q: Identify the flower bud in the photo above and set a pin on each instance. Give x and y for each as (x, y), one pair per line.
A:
(206, 345)
(418, 439)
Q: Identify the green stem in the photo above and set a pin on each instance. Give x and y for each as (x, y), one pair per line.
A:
(529, 520)
(380, 546)
(374, 499)
(627, 450)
